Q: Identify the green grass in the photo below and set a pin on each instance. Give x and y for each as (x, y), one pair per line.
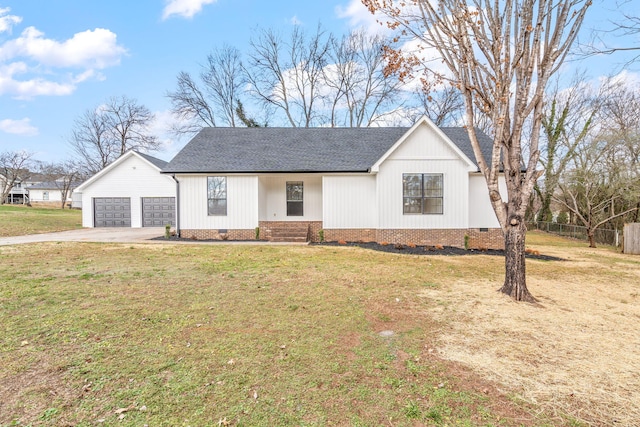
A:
(172, 335)
(21, 220)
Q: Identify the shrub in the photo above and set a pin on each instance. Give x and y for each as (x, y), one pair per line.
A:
(167, 231)
(439, 247)
(321, 235)
(342, 242)
(257, 233)
(466, 242)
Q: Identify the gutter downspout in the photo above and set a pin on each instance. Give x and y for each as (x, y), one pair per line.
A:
(177, 204)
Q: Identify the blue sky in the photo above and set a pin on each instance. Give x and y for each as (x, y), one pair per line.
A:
(60, 58)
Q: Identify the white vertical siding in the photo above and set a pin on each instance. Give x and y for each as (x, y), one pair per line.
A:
(423, 152)
(134, 178)
(349, 201)
(242, 203)
(273, 188)
(481, 213)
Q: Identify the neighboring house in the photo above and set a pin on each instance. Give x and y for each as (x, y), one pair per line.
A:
(49, 192)
(130, 192)
(399, 185)
(19, 194)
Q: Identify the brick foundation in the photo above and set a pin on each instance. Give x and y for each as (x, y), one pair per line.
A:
(217, 235)
(490, 239)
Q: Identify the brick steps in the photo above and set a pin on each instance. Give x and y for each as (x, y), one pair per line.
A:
(290, 233)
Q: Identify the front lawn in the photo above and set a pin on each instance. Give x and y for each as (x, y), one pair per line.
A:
(175, 334)
(18, 220)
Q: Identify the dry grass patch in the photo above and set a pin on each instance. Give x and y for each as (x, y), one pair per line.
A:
(577, 353)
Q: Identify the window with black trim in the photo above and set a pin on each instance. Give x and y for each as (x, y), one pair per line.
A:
(422, 193)
(217, 195)
(295, 193)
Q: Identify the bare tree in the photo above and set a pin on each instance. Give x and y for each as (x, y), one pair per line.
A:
(500, 55)
(567, 120)
(599, 189)
(214, 101)
(14, 168)
(129, 124)
(92, 142)
(445, 107)
(102, 134)
(359, 92)
(288, 74)
(63, 176)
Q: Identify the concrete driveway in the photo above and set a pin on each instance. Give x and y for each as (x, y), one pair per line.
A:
(125, 235)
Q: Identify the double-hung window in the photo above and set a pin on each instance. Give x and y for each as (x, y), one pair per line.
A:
(295, 197)
(217, 195)
(422, 193)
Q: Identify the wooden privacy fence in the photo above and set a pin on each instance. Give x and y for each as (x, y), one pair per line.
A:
(632, 238)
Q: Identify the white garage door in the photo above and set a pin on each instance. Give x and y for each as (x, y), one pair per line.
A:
(158, 211)
(112, 212)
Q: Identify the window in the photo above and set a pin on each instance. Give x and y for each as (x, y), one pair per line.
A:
(45, 195)
(422, 193)
(294, 198)
(217, 195)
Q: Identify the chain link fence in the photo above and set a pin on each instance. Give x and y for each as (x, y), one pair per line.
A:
(602, 236)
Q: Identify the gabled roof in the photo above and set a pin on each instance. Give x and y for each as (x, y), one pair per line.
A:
(154, 162)
(50, 185)
(273, 150)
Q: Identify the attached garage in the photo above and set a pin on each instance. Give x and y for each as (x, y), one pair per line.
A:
(130, 192)
(112, 212)
(158, 211)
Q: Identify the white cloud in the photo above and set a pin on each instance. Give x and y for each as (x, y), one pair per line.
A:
(18, 127)
(360, 17)
(295, 20)
(96, 49)
(163, 124)
(7, 21)
(33, 65)
(184, 8)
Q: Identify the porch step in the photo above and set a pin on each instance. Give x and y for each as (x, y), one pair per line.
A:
(290, 233)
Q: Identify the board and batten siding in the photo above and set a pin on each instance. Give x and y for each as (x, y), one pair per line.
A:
(273, 196)
(424, 151)
(481, 213)
(242, 203)
(349, 202)
(134, 178)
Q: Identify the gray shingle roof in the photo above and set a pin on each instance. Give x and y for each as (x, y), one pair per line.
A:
(51, 185)
(157, 162)
(268, 150)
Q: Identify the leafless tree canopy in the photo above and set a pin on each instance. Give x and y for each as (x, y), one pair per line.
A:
(287, 73)
(500, 55)
(14, 167)
(213, 102)
(63, 176)
(100, 135)
(297, 79)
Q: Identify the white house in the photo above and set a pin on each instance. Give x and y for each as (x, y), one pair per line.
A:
(398, 185)
(130, 192)
(49, 192)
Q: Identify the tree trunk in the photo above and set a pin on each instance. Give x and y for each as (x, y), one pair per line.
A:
(592, 240)
(515, 282)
